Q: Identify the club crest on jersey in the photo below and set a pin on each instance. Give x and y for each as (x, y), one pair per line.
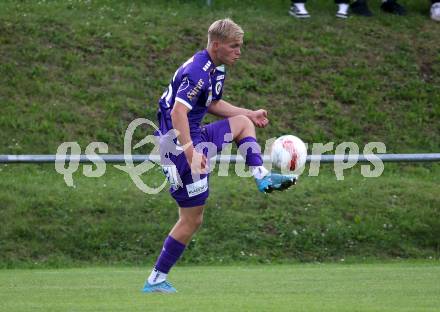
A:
(191, 94)
(218, 87)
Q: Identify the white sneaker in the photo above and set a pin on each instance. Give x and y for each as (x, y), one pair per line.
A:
(298, 10)
(435, 11)
(342, 10)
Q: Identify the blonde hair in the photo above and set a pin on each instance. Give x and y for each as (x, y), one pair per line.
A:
(224, 30)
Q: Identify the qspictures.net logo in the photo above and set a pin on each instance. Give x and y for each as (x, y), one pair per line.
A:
(69, 154)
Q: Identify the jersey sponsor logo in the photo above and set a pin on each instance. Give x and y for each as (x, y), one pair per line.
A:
(197, 187)
(220, 77)
(218, 87)
(191, 94)
(207, 65)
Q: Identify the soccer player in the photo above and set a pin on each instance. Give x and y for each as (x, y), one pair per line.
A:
(196, 89)
(298, 8)
(360, 7)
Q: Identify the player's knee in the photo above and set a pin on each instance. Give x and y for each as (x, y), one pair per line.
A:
(242, 122)
(198, 221)
(193, 222)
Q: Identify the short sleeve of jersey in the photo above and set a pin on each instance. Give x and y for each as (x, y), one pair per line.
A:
(218, 82)
(190, 89)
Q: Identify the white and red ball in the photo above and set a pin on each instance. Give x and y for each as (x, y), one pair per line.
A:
(289, 153)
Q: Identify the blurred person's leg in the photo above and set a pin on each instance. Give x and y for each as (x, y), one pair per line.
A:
(343, 6)
(298, 9)
(360, 7)
(391, 6)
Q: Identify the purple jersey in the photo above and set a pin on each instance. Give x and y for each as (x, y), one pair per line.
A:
(195, 84)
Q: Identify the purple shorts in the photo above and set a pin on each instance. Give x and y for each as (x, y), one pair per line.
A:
(190, 190)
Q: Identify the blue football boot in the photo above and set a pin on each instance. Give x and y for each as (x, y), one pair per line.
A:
(275, 182)
(163, 287)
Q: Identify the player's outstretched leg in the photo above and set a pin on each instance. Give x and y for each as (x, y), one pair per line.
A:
(243, 132)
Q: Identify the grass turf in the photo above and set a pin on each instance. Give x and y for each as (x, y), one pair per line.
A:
(404, 286)
(108, 220)
(82, 70)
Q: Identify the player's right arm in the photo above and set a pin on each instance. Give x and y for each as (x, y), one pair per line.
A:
(179, 117)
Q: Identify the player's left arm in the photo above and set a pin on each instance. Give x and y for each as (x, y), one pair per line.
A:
(223, 109)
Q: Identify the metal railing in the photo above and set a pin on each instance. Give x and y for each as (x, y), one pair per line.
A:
(109, 158)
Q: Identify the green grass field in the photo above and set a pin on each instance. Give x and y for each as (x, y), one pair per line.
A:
(82, 70)
(312, 287)
(108, 220)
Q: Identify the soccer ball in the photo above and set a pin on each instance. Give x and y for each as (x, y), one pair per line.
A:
(288, 153)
